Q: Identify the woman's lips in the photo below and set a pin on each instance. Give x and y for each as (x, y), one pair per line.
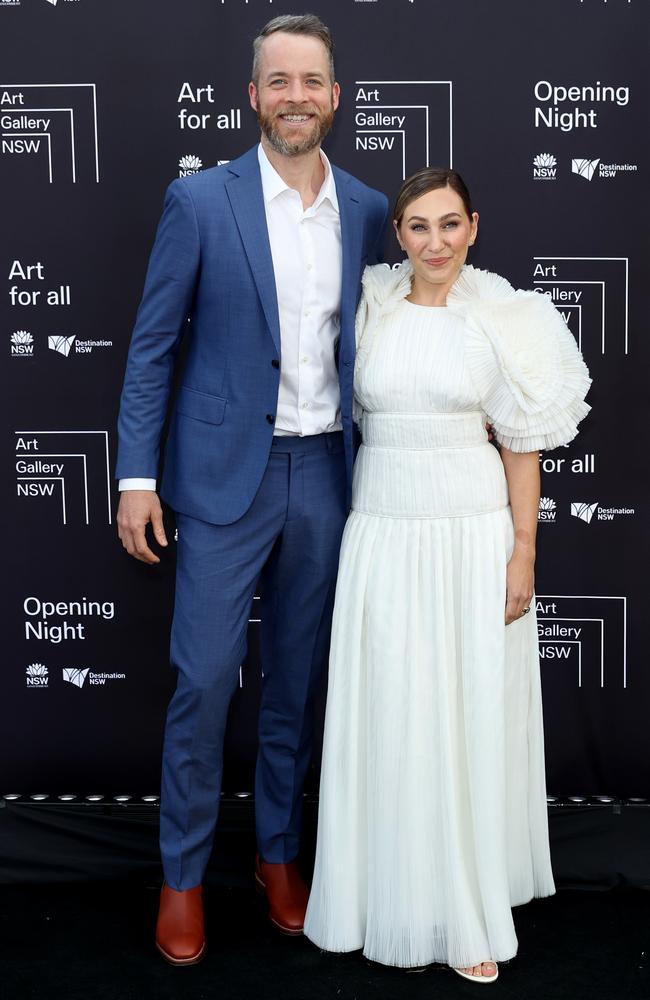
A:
(437, 261)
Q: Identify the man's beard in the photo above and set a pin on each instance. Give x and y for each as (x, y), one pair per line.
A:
(321, 124)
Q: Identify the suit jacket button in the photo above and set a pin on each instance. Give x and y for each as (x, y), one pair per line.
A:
(275, 363)
(270, 417)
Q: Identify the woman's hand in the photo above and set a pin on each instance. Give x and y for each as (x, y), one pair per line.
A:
(520, 584)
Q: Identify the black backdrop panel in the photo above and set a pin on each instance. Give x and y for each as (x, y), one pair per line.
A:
(543, 108)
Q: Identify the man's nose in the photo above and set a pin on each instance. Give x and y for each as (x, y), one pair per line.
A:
(296, 92)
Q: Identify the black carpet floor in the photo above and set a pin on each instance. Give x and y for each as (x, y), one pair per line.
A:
(94, 941)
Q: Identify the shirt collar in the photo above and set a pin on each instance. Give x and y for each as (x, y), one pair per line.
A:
(273, 185)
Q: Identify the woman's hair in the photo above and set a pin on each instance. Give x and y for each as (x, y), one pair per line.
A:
(430, 179)
(293, 24)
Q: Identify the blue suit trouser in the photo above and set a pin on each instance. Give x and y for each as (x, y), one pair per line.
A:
(288, 541)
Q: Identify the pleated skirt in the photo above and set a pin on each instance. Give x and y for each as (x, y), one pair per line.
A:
(432, 821)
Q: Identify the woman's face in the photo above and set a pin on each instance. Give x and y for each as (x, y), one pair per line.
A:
(436, 232)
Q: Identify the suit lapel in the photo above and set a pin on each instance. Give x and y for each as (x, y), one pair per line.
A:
(351, 242)
(244, 190)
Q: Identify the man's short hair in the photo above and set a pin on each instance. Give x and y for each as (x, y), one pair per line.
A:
(293, 24)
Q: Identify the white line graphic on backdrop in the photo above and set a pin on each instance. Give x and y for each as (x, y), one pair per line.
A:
(12, 104)
(31, 135)
(618, 283)
(608, 628)
(32, 469)
(377, 117)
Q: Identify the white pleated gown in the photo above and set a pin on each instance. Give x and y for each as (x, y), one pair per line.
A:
(432, 820)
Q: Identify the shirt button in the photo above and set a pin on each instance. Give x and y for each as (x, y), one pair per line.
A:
(307, 312)
(309, 267)
(270, 418)
(275, 363)
(305, 406)
(305, 361)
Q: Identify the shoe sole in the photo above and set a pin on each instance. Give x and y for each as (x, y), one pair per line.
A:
(260, 887)
(182, 961)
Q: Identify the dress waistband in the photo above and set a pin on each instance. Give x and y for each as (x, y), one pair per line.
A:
(427, 465)
(424, 431)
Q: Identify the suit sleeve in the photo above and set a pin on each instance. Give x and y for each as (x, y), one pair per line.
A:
(377, 254)
(166, 303)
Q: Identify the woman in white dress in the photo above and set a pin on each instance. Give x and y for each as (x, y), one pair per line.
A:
(432, 820)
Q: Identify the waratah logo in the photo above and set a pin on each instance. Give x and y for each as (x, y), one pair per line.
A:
(547, 509)
(53, 2)
(585, 511)
(76, 676)
(22, 344)
(36, 675)
(584, 168)
(544, 165)
(22, 337)
(61, 345)
(189, 165)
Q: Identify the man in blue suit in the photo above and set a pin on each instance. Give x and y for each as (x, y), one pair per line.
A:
(264, 256)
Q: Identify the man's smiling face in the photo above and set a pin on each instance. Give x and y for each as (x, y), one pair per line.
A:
(295, 97)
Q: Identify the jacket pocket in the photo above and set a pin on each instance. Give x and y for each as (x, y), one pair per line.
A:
(200, 405)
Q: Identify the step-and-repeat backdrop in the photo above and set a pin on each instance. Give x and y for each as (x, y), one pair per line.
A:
(542, 106)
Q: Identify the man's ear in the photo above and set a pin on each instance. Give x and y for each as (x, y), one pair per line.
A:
(252, 95)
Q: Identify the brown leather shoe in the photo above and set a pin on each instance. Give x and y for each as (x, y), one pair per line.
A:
(180, 937)
(285, 892)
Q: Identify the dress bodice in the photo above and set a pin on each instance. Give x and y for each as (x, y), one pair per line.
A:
(425, 449)
(415, 363)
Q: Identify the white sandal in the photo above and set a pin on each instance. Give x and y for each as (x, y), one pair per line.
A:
(481, 978)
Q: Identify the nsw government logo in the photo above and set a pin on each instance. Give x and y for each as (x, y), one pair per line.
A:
(189, 165)
(544, 167)
(547, 510)
(22, 344)
(37, 675)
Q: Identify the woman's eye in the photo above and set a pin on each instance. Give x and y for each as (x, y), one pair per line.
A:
(417, 228)
(450, 225)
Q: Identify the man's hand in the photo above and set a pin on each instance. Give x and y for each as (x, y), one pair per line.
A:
(137, 508)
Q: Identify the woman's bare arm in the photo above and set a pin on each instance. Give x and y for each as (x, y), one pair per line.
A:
(522, 474)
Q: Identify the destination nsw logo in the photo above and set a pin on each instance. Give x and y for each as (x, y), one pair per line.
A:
(79, 675)
(587, 511)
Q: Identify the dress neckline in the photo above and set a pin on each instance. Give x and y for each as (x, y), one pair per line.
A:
(419, 305)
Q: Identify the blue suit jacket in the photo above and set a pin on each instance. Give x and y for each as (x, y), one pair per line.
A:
(211, 262)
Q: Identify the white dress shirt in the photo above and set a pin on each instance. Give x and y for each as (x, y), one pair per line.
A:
(307, 255)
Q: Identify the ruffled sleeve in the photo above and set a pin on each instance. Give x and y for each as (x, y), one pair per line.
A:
(527, 369)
